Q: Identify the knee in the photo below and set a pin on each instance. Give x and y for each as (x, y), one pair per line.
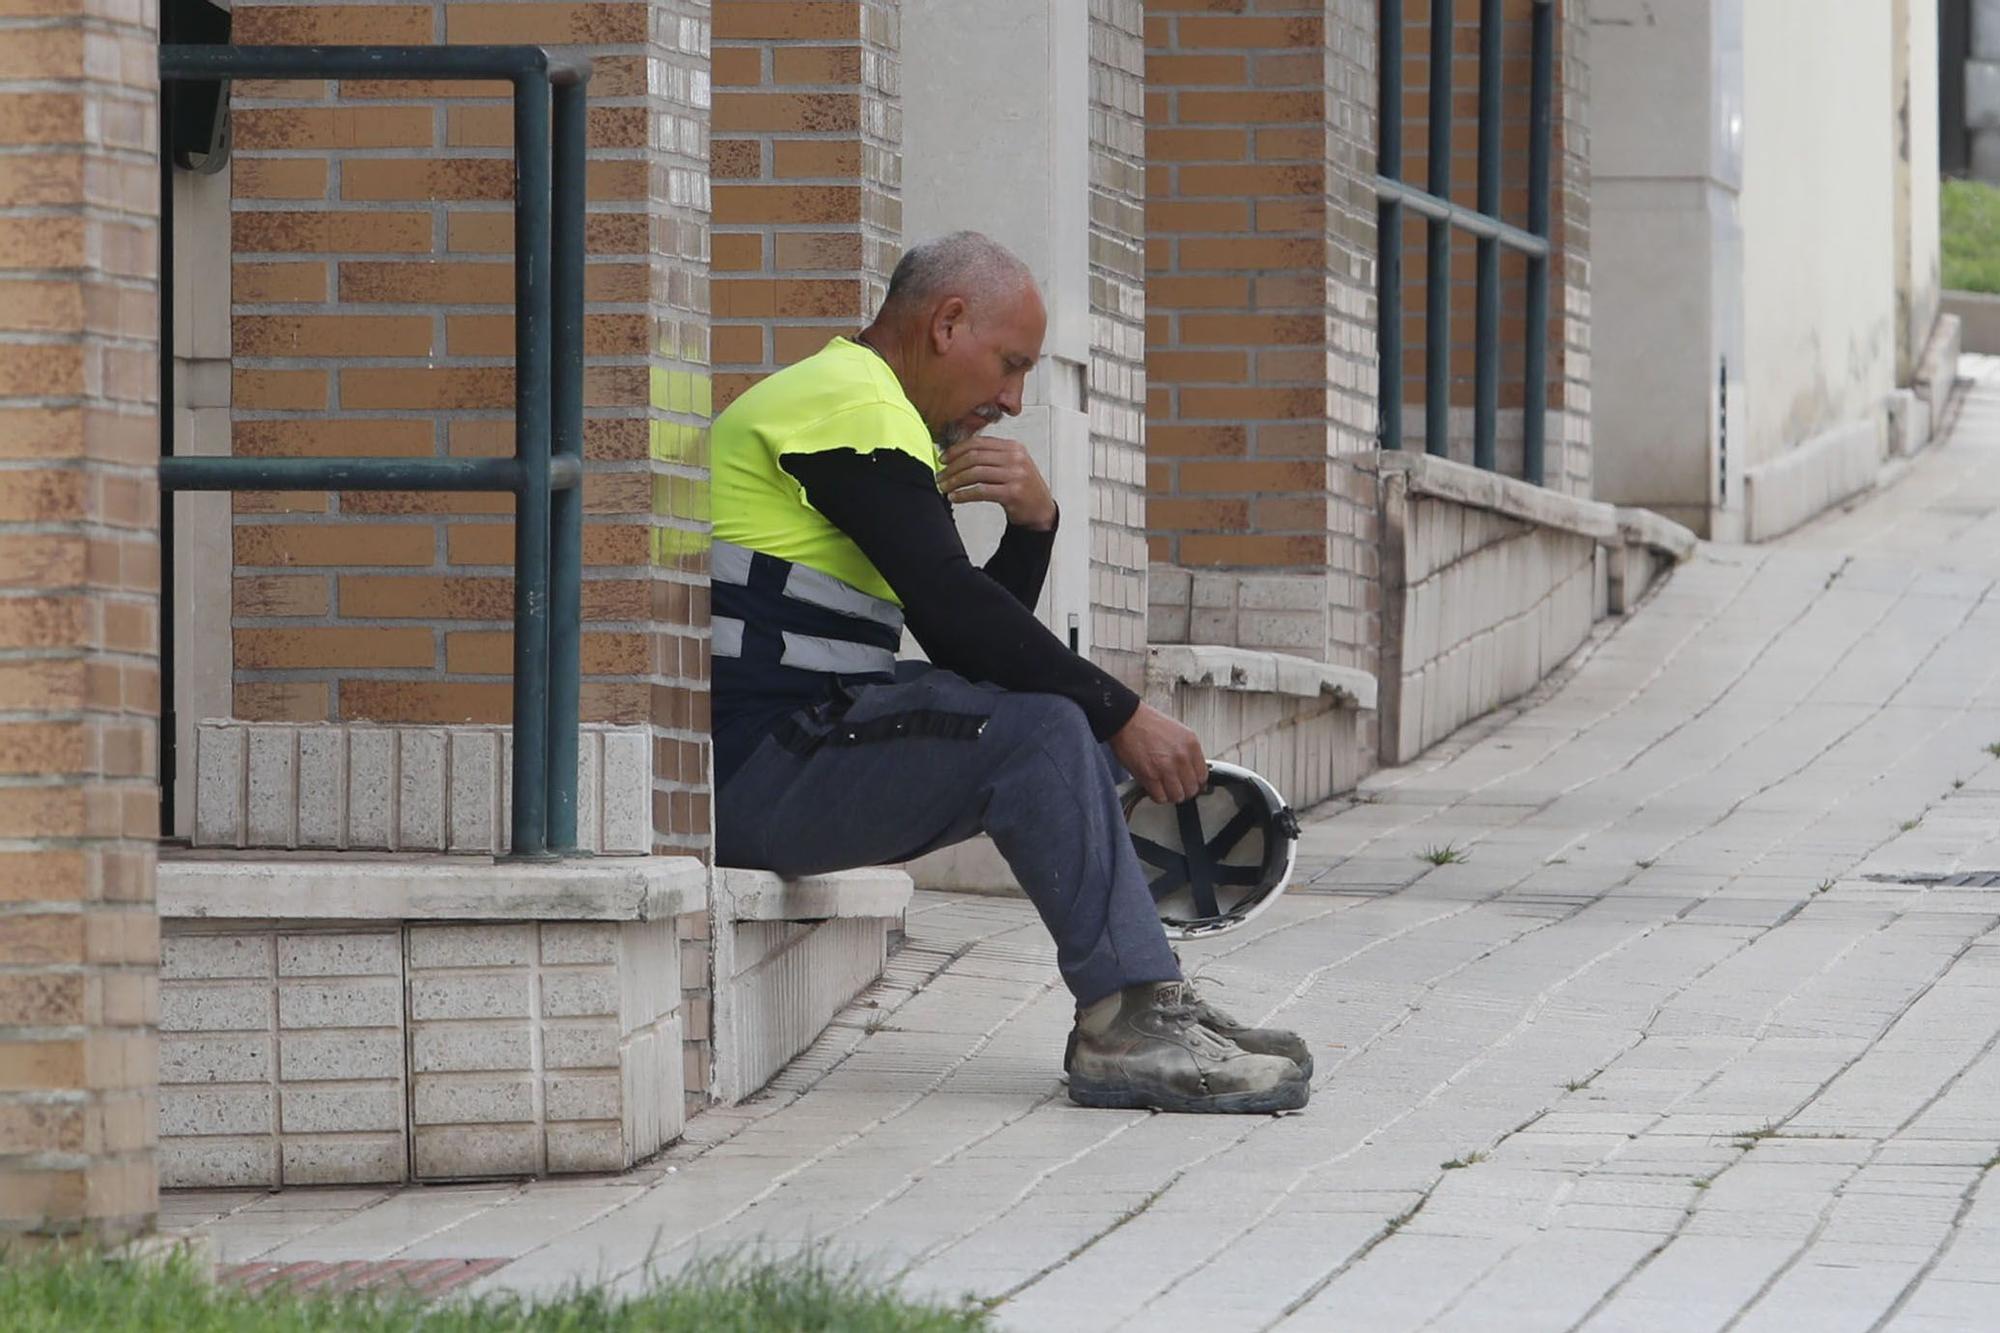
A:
(1056, 723)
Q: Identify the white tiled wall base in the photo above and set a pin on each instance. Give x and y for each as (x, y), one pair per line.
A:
(354, 786)
(789, 955)
(1489, 585)
(308, 1051)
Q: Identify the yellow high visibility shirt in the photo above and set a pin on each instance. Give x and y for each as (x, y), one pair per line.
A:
(841, 397)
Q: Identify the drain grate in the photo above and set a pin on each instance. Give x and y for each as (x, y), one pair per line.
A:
(1969, 879)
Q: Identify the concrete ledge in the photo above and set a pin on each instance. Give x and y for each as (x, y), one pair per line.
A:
(1217, 666)
(789, 955)
(350, 886)
(1978, 316)
(759, 895)
(1656, 532)
(1445, 480)
(1804, 482)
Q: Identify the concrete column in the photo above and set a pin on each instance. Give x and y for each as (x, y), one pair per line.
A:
(1025, 68)
(1667, 93)
(79, 633)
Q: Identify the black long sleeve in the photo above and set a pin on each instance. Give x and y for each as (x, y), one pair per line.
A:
(978, 623)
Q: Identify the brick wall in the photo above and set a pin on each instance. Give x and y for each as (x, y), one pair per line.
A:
(79, 580)
(807, 169)
(1568, 430)
(1261, 346)
(372, 287)
(1118, 337)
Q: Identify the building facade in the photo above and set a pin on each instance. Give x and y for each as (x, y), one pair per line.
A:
(347, 978)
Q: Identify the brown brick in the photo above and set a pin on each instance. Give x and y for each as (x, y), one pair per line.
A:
(1249, 33)
(1251, 404)
(427, 283)
(787, 112)
(256, 595)
(427, 178)
(1251, 330)
(493, 544)
(739, 204)
(1239, 180)
(1196, 441)
(1172, 292)
(389, 597)
(42, 560)
(331, 335)
(491, 653)
(425, 701)
(45, 621)
(438, 387)
(1247, 550)
(786, 20)
(840, 158)
(737, 66)
(1198, 215)
(796, 250)
(368, 233)
(347, 646)
(1177, 71)
(254, 284)
(296, 390)
(299, 25)
(1251, 477)
(278, 544)
(282, 701)
(303, 439)
(45, 876)
(581, 25)
(816, 64)
(41, 117)
(1251, 252)
(334, 127)
(1197, 515)
(804, 298)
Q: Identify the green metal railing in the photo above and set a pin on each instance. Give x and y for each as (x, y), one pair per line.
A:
(545, 475)
(1440, 214)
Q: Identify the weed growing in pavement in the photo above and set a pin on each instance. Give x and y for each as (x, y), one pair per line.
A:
(1577, 1084)
(1704, 1182)
(1909, 824)
(1990, 1162)
(1994, 749)
(1459, 1163)
(1957, 783)
(1645, 865)
(1824, 885)
(1447, 855)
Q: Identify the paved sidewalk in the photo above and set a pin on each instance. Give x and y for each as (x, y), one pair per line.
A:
(1682, 1032)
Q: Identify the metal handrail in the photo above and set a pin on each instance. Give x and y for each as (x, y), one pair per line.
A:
(1393, 195)
(545, 474)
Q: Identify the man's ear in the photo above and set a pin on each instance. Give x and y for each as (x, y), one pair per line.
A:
(947, 322)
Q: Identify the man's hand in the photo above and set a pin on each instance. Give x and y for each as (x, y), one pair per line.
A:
(1164, 756)
(988, 468)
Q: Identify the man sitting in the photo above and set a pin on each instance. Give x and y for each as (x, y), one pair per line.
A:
(834, 482)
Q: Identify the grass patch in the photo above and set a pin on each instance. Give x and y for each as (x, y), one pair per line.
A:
(1447, 855)
(48, 1291)
(1969, 218)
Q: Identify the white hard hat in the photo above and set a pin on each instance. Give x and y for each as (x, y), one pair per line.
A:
(1215, 861)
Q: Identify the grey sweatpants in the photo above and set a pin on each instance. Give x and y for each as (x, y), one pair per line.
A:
(907, 768)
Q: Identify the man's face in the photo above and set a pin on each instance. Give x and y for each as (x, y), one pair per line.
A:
(983, 356)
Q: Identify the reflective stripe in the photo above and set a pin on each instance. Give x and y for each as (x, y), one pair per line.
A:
(815, 588)
(729, 563)
(809, 652)
(728, 637)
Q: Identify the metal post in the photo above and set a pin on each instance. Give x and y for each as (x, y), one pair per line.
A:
(531, 447)
(1389, 228)
(1486, 336)
(1534, 409)
(566, 436)
(1437, 270)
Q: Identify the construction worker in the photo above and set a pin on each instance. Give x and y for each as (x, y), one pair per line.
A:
(833, 487)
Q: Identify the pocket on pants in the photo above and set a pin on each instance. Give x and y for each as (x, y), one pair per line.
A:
(935, 706)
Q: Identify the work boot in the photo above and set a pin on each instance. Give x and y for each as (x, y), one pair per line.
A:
(1257, 1041)
(1143, 1049)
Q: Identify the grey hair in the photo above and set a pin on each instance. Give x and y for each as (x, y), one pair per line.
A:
(963, 263)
